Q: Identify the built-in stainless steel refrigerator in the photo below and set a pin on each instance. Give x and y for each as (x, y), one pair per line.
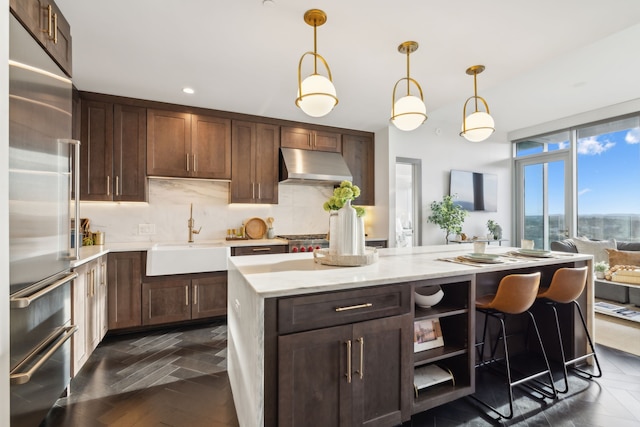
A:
(41, 176)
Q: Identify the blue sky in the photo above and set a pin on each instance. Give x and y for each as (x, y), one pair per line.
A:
(608, 177)
(609, 173)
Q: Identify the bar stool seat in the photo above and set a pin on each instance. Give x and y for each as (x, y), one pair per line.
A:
(567, 284)
(516, 294)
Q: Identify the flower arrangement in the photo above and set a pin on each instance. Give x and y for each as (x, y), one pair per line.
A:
(345, 192)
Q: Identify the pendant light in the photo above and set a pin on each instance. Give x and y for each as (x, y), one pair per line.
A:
(316, 93)
(478, 125)
(408, 112)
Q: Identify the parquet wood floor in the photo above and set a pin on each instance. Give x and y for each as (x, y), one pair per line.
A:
(177, 377)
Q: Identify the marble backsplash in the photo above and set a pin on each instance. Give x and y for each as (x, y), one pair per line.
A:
(299, 211)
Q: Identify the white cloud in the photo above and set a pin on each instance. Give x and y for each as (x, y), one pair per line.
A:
(633, 136)
(585, 191)
(563, 145)
(591, 146)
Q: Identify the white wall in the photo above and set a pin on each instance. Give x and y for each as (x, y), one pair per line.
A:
(4, 215)
(442, 149)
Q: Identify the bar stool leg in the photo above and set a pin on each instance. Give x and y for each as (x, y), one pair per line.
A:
(593, 350)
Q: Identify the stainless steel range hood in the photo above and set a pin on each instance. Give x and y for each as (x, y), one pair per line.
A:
(312, 167)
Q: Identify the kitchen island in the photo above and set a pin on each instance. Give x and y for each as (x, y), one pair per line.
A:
(288, 315)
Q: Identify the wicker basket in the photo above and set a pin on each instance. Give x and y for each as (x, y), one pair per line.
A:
(322, 256)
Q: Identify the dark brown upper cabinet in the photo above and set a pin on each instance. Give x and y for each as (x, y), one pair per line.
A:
(309, 139)
(112, 152)
(255, 163)
(359, 154)
(188, 145)
(43, 19)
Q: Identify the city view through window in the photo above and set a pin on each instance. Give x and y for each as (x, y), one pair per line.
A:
(608, 183)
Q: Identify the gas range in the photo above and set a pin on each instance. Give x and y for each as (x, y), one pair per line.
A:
(305, 242)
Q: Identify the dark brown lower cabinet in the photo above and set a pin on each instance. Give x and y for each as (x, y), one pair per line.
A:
(124, 284)
(169, 299)
(350, 375)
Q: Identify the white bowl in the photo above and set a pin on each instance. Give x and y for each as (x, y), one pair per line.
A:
(428, 296)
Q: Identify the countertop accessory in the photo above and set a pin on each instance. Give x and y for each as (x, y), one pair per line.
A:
(428, 296)
(255, 228)
(322, 256)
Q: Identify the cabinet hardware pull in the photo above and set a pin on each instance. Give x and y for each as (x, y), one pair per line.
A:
(55, 28)
(261, 249)
(88, 281)
(195, 295)
(259, 192)
(104, 274)
(187, 161)
(348, 361)
(195, 164)
(354, 307)
(49, 17)
(361, 370)
(117, 186)
(108, 185)
(186, 295)
(253, 190)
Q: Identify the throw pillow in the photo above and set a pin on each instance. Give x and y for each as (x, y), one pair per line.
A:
(597, 248)
(617, 257)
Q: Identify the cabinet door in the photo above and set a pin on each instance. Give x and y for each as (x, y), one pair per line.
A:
(210, 147)
(358, 153)
(313, 387)
(59, 43)
(168, 143)
(243, 137)
(382, 371)
(78, 341)
(124, 289)
(267, 147)
(35, 16)
(296, 138)
(92, 312)
(103, 322)
(129, 153)
(327, 141)
(209, 296)
(166, 301)
(96, 151)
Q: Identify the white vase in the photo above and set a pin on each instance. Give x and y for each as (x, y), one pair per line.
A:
(333, 232)
(347, 231)
(360, 236)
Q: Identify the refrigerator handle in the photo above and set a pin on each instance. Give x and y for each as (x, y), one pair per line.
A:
(16, 377)
(23, 299)
(75, 179)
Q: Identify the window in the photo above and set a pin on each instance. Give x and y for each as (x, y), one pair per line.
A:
(608, 188)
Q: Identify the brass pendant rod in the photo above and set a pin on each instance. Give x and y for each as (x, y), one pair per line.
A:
(475, 89)
(315, 48)
(408, 79)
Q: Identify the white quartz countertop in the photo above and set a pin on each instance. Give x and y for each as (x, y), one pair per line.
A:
(88, 253)
(292, 274)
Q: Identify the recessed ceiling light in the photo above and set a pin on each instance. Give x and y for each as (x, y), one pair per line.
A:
(268, 3)
(188, 90)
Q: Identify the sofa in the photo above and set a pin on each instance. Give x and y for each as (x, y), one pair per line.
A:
(605, 290)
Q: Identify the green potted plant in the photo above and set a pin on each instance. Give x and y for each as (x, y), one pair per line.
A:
(600, 268)
(448, 216)
(494, 229)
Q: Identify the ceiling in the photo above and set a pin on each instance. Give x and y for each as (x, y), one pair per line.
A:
(544, 59)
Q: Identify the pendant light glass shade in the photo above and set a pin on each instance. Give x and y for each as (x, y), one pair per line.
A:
(478, 125)
(316, 93)
(319, 96)
(408, 112)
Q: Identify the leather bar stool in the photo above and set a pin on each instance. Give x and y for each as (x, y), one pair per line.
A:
(566, 286)
(515, 295)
